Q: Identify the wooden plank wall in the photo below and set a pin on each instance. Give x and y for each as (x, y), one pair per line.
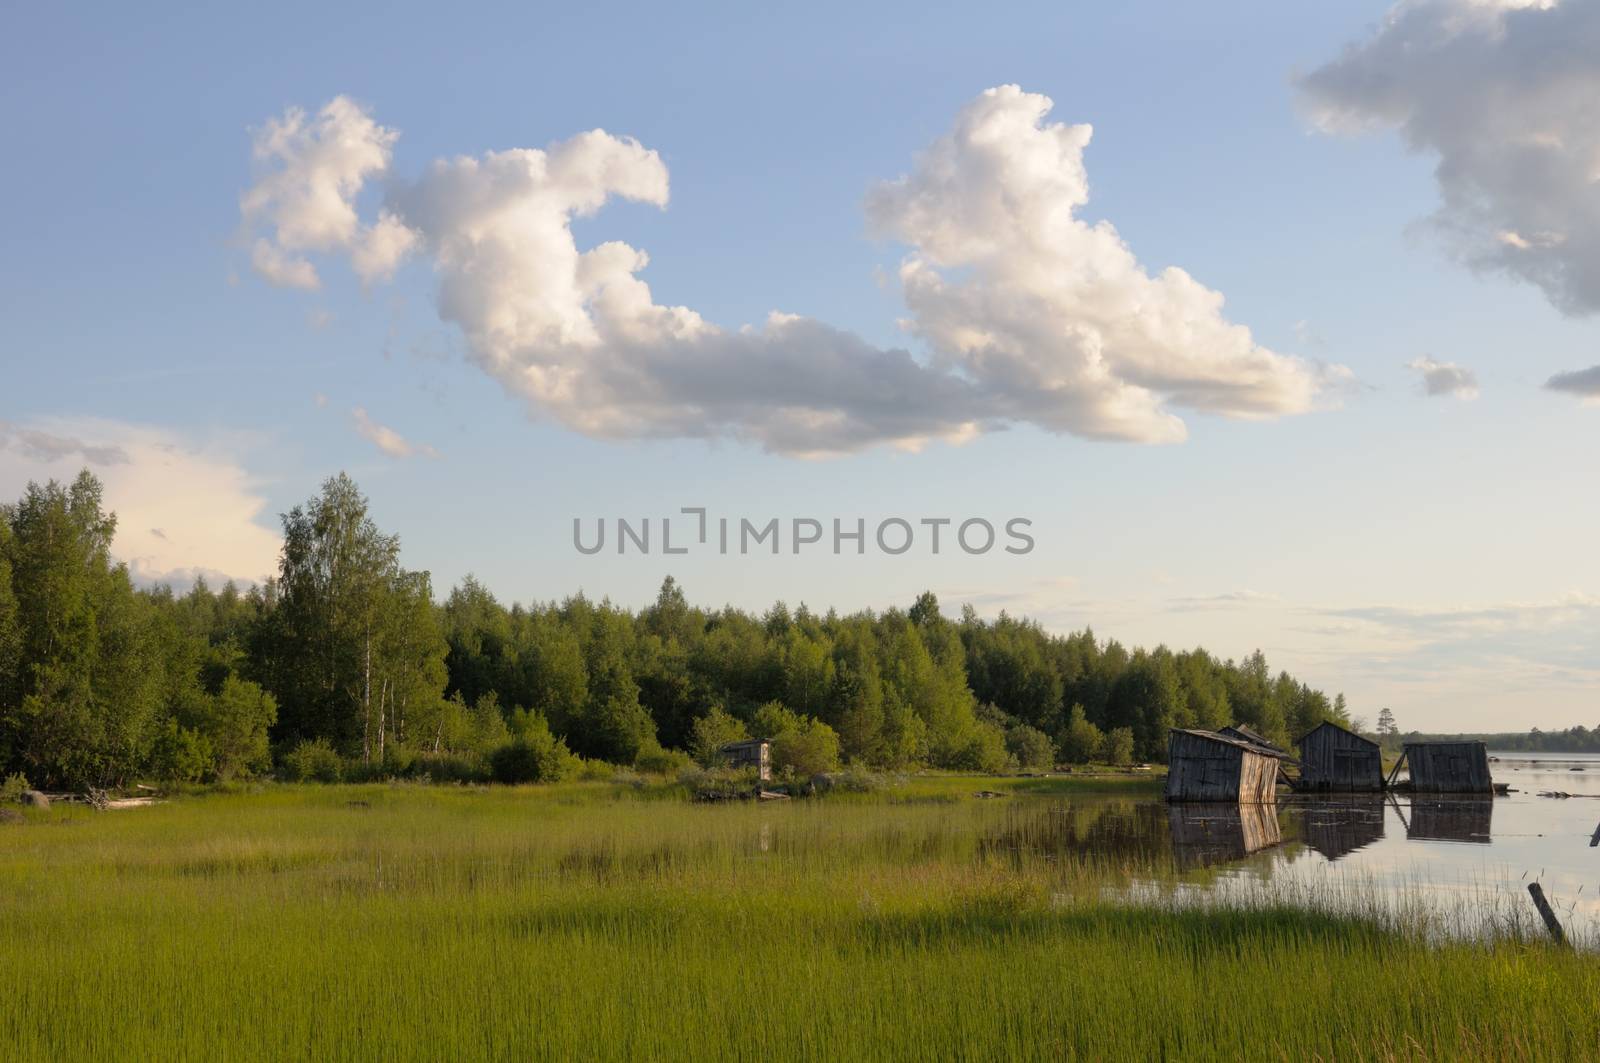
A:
(1335, 760)
(1449, 768)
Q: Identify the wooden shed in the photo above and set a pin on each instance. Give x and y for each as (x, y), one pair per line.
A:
(751, 753)
(1245, 734)
(1448, 767)
(1207, 766)
(1336, 760)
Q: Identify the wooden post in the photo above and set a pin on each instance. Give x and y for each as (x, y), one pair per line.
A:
(1547, 913)
(1389, 782)
(1594, 841)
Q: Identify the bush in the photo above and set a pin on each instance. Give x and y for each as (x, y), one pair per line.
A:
(594, 770)
(654, 760)
(1081, 741)
(12, 789)
(448, 767)
(713, 731)
(535, 755)
(180, 755)
(1031, 748)
(1119, 746)
(311, 761)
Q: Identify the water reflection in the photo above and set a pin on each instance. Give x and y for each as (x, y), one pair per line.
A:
(1208, 834)
(1337, 827)
(1469, 853)
(1464, 819)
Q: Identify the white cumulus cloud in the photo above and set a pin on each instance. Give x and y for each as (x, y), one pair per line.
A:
(1445, 379)
(1502, 94)
(1029, 315)
(183, 509)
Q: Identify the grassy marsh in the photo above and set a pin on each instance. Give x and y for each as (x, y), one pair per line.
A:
(603, 921)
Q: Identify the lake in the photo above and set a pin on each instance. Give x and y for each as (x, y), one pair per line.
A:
(1467, 860)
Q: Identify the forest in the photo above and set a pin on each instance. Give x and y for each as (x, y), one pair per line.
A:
(347, 666)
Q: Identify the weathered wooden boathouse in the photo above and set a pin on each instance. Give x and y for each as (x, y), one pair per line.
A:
(1447, 767)
(1207, 766)
(1333, 759)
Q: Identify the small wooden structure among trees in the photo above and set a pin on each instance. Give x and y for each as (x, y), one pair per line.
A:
(1207, 766)
(751, 753)
(1447, 767)
(1334, 759)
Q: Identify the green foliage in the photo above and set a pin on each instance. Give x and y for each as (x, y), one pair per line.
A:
(1031, 748)
(1081, 741)
(312, 760)
(12, 787)
(100, 682)
(534, 755)
(181, 755)
(654, 760)
(1118, 748)
(711, 732)
(801, 745)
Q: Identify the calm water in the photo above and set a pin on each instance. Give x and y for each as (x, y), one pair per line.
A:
(1469, 856)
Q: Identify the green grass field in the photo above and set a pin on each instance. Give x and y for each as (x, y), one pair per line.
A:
(599, 921)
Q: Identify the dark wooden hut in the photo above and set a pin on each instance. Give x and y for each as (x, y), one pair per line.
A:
(751, 753)
(1207, 834)
(1207, 766)
(1245, 734)
(1334, 759)
(1448, 767)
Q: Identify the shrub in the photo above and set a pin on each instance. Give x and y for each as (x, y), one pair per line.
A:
(535, 755)
(654, 760)
(810, 750)
(1081, 741)
(713, 731)
(1031, 748)
(1119, 746)
(180, 755)
(12, 789)
(313, 760)
(594, 770)
(449, 767)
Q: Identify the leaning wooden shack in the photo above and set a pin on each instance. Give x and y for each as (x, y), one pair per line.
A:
(1448, 767)
(1207, 766)
(1335, 760)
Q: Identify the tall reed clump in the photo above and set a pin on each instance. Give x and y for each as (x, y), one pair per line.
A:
(584, 920)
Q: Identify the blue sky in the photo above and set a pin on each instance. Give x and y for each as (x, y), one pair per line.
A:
(1430, 553)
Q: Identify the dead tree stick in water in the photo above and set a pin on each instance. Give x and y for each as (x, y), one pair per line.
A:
(1594, 841)
(1547, 913)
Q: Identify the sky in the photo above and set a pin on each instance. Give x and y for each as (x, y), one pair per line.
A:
(1275, 321)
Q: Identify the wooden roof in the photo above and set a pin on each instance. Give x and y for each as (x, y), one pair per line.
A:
(1336, 727)
(1249, 747)
(1239, 730)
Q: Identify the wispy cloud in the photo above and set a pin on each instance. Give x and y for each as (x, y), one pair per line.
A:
(387, 439)
(1445, 379)
(1584, 383)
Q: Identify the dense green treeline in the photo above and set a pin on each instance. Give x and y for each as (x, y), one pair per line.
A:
(345, 665)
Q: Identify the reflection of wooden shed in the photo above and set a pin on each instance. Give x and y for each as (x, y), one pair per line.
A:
(751, 753)
(1245, 734)
(1206, 834)
(1338, 828)
(1207, 766)
(1452, 819)
(1332, 758)
(1448, 767)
